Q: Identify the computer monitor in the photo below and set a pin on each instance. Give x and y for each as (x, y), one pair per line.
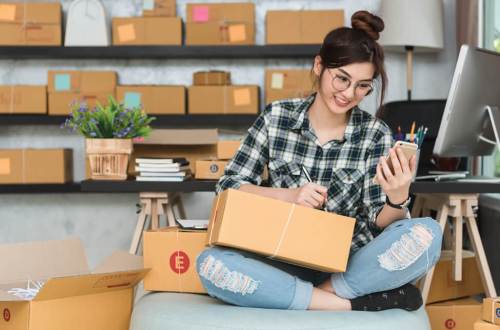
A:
(471, 118)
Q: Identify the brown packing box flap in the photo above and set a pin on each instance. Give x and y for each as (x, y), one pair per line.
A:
(203, 78)
(240, 99)
(288, 232)
(165, 8)
(210, 169)
(302, 27)
(481, 325)
(456, 314)
(23, 99)
(147, 31)
(443, 287)
(30, 23)
(165, 99)
(491, 310)
(227, 149)
(171, 254)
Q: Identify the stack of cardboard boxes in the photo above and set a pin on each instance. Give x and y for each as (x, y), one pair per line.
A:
(490, 316)
(212, 169)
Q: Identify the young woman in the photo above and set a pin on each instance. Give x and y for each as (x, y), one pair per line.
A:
(343, 148)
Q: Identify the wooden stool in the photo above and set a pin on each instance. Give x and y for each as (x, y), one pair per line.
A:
(458, 207)
(154, 205)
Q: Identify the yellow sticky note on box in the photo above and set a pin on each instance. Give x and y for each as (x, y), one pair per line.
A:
(277, 80)
(237, 33)
(126, 32)
(241, 96)
(4, 166)
(7, 12)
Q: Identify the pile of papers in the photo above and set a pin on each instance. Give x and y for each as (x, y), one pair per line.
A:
(162, 169)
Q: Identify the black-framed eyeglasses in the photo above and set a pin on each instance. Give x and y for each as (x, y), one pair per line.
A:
(341, 83)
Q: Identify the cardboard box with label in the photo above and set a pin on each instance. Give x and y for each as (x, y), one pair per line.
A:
(302, 27)
(218, 78)
(287, 84)
(20, 166)
(210, 169)
(70, 295)
(66, 87)
(171, 255)
(288, 232)
(147, 31)
(156, 100)
(236, 99)
(164, 8)
(456, 314)
(491, 310)
(30, 23)
(220, 24)
(481, 325)
(443, 287)
(23, 99)
(226, 149)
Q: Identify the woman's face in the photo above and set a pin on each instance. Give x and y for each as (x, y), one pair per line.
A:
(344, 87)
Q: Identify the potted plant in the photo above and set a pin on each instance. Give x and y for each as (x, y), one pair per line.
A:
(108, 130)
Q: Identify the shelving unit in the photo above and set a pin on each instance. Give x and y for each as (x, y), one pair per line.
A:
(74, 187)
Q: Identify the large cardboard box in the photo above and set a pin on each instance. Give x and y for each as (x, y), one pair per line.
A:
(288, 232)
(23, 99)
(210, 169)
(443, 287)
(147, 31)
(156, 100)
(456, 314)
(71, 297)
(241, 99)
(491, 310)
(203, 78)
(165, 8)
(171, 255)
(30, 23)
(68, 86)
(287, 84)
(220, 23)
(226, 149)
(36, 166)
(481, 325)
(302, 27)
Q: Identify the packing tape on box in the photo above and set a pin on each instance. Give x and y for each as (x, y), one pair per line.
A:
(11, 103)
(23, 165)
(283, 232)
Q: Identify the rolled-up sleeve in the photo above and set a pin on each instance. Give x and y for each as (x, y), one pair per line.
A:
(248, 163)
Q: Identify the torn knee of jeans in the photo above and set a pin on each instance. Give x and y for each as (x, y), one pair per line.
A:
(407, 249)
(219, 275)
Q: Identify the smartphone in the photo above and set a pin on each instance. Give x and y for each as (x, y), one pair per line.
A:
(409, 149)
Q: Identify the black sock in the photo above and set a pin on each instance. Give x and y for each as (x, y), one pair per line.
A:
(407, 297)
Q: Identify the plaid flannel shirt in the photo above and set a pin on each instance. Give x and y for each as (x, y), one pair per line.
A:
(283, 139)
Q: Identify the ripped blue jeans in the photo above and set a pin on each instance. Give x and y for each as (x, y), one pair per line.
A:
(401, 254)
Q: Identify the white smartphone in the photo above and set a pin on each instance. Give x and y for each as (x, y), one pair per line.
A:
(409, 149)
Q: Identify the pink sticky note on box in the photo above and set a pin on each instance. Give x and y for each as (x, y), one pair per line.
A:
(200, 13)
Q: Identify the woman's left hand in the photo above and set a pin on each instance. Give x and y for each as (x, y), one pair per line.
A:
(396, 185)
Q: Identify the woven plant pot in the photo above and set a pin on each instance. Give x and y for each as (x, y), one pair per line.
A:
(108, 158)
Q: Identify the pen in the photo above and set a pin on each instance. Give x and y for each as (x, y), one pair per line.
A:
(308, 177)
(412, 131)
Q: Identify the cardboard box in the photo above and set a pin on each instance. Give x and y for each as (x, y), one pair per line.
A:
(66, 87)
(241, 99)
(481, 325)
(302, 27)
(23, 99)
(227, 149)
(204, 78)
(29, 23)
(157, 100)
(147, 31)
(491, 310)
(71, 296)
(165, 8)
(36, 166)
(171, 254)
(287, 84)
(288, 232)
(220, 23)
(443, 287)
(456, 314)
(210, 169)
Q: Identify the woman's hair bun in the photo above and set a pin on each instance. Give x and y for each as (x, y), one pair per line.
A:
(369, 23)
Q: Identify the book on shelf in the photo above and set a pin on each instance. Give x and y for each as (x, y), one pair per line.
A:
(164, 174)
(154, 160)
(161, 168)
(162, 178)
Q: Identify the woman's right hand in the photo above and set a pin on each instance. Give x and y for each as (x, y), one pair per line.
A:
(310, 195)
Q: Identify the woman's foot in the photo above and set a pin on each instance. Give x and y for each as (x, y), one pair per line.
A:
(407, 297)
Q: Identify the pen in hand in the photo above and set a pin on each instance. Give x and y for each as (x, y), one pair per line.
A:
(308, 177)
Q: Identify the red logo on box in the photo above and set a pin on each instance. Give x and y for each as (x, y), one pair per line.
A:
(179, 262)
(450, 324)
(6, 315)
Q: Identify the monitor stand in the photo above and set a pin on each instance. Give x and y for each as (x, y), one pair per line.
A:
(494, 120)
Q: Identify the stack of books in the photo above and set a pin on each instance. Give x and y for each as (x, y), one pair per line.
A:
(162, 169)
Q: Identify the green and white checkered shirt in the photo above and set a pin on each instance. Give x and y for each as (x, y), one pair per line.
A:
(283, 139)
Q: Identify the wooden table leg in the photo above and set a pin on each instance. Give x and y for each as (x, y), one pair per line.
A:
(457, 248)
(136, 239)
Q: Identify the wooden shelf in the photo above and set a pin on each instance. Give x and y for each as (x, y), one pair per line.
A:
(73, 187)
(139, 186)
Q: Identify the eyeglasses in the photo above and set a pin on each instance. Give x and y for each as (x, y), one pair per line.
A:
(341, 83)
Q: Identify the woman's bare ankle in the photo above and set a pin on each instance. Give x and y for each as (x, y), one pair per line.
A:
(324, 300)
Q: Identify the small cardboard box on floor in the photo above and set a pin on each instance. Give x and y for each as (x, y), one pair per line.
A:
(287, 84)
(147, 31)
(220, 23)
(288, 232)
(491, 310)
(171, 254)
(162, 8)
(29, 23)
(301, 27)
(23, 99)
(455, 314)
(482, 325)
(156, 100)
(71, 297)
(235, 99)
